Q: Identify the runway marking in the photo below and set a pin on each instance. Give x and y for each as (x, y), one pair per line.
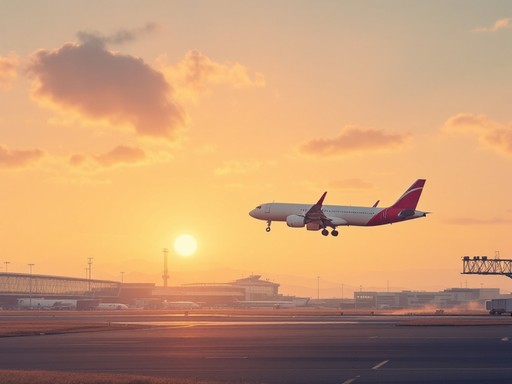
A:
(227, 357)
(349, 381)
(505, 339)
(380, 364)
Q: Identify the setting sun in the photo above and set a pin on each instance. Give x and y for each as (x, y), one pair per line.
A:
(185, 245)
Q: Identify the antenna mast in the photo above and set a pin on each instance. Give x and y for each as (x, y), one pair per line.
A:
(165, 276)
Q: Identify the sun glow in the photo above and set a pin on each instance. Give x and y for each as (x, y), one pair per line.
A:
(185, 245)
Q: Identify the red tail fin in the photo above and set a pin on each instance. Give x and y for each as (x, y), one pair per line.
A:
(410, 198)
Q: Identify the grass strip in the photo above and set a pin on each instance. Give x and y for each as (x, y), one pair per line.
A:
(47, 377)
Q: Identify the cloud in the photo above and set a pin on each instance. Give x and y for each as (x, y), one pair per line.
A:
(500, 24)
(490, 134)
(353, 139)
(120, 37)
(8, 70)
(103, 85)
(15, 159)
(196, 73)
(119, 156)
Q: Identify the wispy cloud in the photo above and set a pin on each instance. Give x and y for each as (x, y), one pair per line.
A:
(197, 73)
(119, 37)
(500, 24)
(490, 134)
(8, 70)
(11, 159)
(103, 85)
(354, 139)
(121, 155)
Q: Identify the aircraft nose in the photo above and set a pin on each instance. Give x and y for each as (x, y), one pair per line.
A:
(251, 213)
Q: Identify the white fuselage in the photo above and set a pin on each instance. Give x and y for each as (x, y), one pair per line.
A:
(280, 211)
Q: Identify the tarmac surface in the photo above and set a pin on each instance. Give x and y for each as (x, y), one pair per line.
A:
(270, 347)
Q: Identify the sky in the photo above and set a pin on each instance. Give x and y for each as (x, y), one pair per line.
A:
(124, 124)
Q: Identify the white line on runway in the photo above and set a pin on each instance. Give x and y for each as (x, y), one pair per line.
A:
(349, 381)
(504, 339)
(380, 364)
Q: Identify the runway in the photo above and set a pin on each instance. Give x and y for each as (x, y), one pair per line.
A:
(278, 349)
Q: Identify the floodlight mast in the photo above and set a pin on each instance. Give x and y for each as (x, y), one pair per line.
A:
(165, 276)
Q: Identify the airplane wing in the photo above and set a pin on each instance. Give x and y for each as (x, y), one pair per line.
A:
(316, 215)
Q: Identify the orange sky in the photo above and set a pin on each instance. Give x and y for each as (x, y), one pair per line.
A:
(125, 124)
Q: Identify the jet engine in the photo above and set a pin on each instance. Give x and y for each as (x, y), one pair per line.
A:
(406, 213)
(295, 221)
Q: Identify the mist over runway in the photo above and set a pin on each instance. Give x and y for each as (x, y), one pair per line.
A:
(274, 348)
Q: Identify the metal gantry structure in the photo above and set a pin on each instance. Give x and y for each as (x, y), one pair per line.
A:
(482, 265)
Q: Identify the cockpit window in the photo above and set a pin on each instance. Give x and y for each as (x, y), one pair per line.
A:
(258, 207)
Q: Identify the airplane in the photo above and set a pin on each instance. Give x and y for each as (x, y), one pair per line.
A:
(318, 216)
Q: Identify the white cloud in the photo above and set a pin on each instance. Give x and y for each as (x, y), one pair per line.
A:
(500, 24)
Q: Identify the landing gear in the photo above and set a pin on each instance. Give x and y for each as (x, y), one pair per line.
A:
(268, 226)
(334, 232)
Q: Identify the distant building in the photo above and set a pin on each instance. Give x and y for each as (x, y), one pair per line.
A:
(449, 298)
(20, 285)
(257, 289)
(227, 294)
(205, 294)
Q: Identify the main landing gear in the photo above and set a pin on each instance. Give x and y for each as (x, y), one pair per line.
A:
(334, 232)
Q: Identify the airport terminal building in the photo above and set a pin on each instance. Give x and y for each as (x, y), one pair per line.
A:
(14, 286)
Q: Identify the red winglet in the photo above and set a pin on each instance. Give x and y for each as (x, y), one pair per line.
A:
(321, 201)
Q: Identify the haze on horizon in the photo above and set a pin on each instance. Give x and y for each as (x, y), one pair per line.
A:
(126, 124)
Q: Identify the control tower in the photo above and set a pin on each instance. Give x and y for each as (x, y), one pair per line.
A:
(482, 265)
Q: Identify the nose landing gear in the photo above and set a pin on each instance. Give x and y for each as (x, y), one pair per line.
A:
(268, 226)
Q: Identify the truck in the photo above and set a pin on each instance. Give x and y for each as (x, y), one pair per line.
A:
(499, 306)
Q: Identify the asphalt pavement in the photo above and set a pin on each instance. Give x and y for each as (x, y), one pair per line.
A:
(275, 350)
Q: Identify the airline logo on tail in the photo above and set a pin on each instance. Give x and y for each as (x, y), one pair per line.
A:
(403, 209)
(320, 217)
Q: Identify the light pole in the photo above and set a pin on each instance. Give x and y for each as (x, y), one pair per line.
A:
(122, 277)
(165, 276)
(90, 272)
(318, 287)
(6, 264)
(30, 283)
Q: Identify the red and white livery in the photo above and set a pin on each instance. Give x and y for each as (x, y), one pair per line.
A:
(320, 217)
